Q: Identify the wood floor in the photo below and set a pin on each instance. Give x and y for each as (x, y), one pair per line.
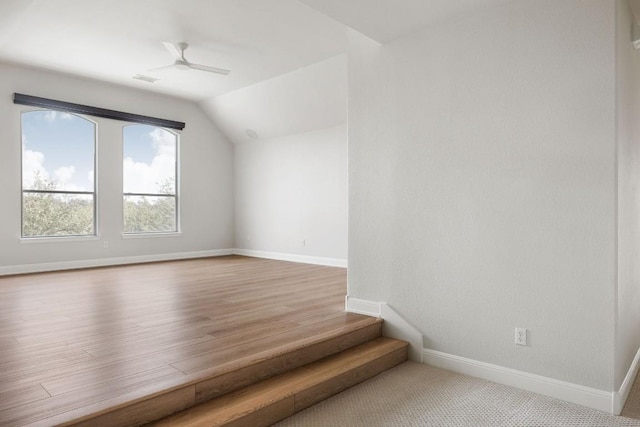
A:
(78, 342)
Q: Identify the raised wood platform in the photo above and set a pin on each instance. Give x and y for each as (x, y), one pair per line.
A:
(132, 344)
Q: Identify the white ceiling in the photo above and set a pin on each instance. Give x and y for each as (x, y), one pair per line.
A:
(385, 20)
(113, 40)
(311, 98)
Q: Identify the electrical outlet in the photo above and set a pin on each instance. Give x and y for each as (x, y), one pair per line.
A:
(521, 336)
(105, 244)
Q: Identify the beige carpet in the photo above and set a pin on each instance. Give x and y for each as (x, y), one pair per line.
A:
(632, 407)
(414, 394)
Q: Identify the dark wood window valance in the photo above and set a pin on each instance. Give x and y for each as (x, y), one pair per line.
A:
(35, 101)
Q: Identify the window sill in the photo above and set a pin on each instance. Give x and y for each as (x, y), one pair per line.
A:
(150, 235)
(58, 239)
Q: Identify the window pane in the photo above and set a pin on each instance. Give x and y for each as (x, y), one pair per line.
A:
(149, 171)
(57, 151)
(149, 165)
(146, 214)
(58, 155)
(57, 214)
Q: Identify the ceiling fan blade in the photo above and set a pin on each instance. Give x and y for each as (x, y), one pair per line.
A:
(173, 50)
(166, 67)
(209, 69)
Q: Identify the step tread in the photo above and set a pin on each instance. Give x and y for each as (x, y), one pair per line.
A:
(229, 360)
(269, 392)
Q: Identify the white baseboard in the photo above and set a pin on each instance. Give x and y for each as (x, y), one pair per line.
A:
(574, 393)
(620, 397)
(361, 306)
(103, 262)
(394, 326)
(330, 262)
(398, 327)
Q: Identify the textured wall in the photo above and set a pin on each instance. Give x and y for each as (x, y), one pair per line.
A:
(206, 195)
(482, 168)
(628, 73)
(293, 189)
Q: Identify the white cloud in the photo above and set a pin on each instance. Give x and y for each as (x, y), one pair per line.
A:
(140, 177)
(164, 142)
(51, 116)
(32, 166)
(64, 174)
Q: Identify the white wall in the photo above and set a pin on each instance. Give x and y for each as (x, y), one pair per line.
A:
(206, 197)
(482, 168)
(628, 83)
(291, 190)
(291, 181)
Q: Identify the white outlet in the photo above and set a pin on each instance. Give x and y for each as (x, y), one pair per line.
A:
(105, 244)
(521, 336)
(304, 242)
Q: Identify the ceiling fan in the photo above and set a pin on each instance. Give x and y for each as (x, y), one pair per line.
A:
(181, 63)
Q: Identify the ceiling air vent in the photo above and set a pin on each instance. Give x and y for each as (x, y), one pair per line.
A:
(147, 79)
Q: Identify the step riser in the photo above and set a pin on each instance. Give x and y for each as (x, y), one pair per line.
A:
(289, 405)
(327, 389)
(266, 416)
(143, 412)
(209, 389)
(275, 399)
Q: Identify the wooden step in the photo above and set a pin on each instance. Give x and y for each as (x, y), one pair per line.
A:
(247, 365)
(271, 400)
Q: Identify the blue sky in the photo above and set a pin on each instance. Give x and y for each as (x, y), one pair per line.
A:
(139, 146)
(60, 147)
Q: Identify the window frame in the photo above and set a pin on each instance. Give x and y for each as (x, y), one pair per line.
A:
(94, 193)
(176, 196)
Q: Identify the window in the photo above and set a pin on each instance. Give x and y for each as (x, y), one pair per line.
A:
(149, 180)
(58, 174)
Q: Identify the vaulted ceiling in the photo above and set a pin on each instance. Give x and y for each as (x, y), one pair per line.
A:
(114, 40)
(263, 42)
(385, 20)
